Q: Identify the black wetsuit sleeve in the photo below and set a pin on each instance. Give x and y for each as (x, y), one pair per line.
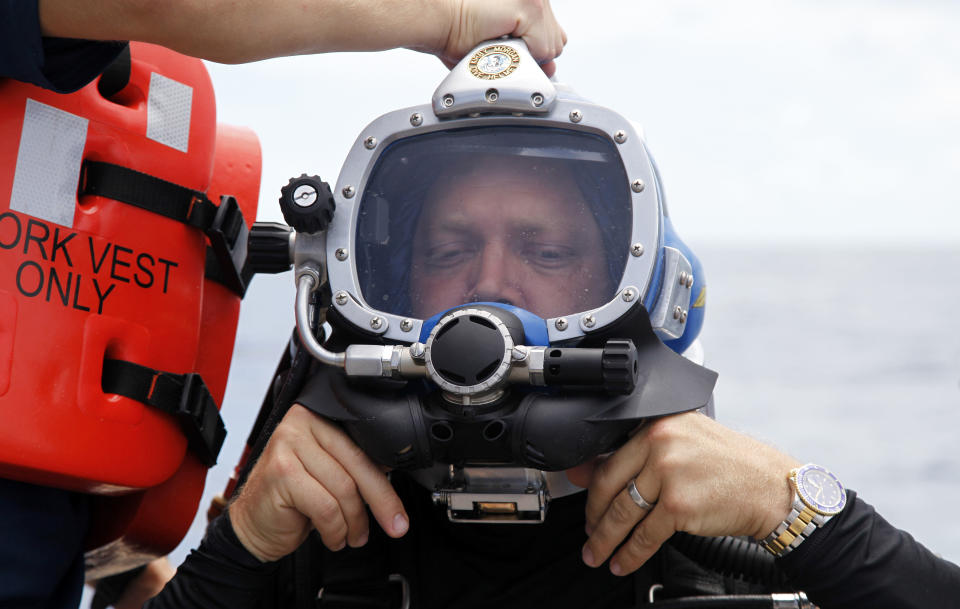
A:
(60, 64)
(859, 560)
(221, 573)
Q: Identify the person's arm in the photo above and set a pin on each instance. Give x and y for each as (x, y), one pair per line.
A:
(859, 561)
(705, 479)
(235, 31)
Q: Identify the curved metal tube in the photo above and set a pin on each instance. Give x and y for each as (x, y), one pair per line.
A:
(305, 286)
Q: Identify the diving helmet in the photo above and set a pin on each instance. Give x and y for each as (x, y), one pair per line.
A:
(494, 289)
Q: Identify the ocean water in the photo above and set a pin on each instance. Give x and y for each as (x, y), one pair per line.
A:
(842, 356)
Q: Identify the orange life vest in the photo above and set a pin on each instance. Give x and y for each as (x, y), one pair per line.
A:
(123, 227)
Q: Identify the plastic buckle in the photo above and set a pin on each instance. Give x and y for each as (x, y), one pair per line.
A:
(228, 237)
(200, 419)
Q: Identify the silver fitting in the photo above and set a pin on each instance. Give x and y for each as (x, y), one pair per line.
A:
(620, 136)
(576, 116)
(349, 191)
(370, 143)
(416, 119)
(637, 185)
(636, 249)
(341, 254)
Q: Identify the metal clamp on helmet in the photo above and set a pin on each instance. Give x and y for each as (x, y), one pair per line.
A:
(504, 288)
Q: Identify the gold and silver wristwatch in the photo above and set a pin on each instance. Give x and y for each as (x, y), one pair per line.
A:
(818, 496)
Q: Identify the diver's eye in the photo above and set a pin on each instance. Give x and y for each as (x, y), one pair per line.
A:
(448, 255)
(549, 256)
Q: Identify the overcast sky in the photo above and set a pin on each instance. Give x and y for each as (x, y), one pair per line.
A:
(770, 120)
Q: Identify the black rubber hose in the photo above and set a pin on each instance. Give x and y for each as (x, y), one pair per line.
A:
(736, 557)
(735, 601)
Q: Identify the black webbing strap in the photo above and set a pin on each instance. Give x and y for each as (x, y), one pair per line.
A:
(223, 224)
(182, 395)
(213, 271)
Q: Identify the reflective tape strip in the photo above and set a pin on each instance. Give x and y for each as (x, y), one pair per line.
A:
(48, 163)
(168, 112)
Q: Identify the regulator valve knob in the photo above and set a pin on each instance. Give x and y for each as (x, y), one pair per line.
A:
(307, 204)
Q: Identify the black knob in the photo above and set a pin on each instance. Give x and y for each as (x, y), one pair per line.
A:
(307, 204)
(620, 366)
(268, 248)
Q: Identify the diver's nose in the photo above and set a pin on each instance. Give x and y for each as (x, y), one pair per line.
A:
(496, 279)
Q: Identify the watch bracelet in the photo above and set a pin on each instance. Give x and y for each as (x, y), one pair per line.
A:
(781, 547)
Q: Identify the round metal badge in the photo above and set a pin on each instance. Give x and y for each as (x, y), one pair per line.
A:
(493, 62)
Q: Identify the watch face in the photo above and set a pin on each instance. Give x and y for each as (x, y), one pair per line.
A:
(820, 489)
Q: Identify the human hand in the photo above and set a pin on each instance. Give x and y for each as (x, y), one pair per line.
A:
(146, 585)
(701, 477)
(312, 475)
(473, 21)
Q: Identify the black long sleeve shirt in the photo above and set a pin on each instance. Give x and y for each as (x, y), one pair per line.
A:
(857, 560)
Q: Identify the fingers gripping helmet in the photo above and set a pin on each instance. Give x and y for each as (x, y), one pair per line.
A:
(506, 294)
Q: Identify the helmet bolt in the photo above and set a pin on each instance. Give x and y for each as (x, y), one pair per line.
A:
(447, 100)
(416, 119)
(683, 317)
(406, 325)
(637, 249)
(690, 280)
(589, 320)
(628, 295)
(518, 354)
(637, 186)
(677, 312)
(376, 323)
(341, 298)
(349, 191)
(341, 254)
(417, 350)
(620, 136)
(683, 278)
(561, 324)
(370, 143)
(576, 116)
(492, 96)
(536, 99)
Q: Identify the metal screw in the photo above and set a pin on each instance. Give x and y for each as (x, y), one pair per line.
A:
(406, 325)
(683, 317)
(576, 116)
(341, 254)
(492, 95)
(690, 280)
(376, 323)
(637, 185)
(537, 99)
(677, 312)
(416, 119)
(518, 354)
(447, 100)
(370, 143)
(341, 298)
(589, 320)
(620, 136)
(305, 195)
(683, 278)
(628, 295)
(349, 191)
(417, 350)
(637, 249)
(561, 324)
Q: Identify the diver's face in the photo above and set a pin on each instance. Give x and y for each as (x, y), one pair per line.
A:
(508, 236)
